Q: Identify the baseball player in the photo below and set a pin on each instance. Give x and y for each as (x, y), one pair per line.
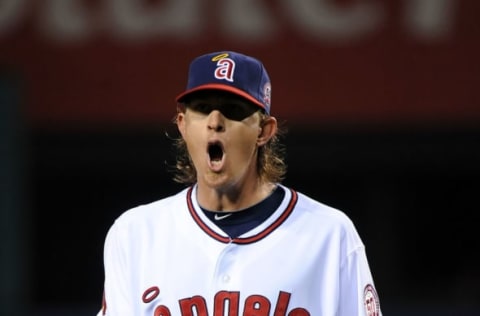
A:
(235, 241)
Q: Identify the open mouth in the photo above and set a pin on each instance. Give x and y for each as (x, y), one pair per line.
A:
(215, 152)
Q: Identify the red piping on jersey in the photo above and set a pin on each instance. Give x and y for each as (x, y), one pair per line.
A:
(288, 210)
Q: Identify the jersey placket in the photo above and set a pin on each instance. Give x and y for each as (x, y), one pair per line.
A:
(224, 276)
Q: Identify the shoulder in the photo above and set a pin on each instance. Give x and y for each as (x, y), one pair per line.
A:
(154, 212)
(323, 219)
(314, 209)
(137, 229)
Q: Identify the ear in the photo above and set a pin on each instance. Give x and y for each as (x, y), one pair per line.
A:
(267, 130)
(180, 120)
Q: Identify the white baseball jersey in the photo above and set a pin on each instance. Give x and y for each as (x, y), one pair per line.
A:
(168, 258)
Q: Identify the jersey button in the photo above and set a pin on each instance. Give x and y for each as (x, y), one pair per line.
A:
(226, 278)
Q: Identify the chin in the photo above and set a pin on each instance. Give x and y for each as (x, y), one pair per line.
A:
(217, 181)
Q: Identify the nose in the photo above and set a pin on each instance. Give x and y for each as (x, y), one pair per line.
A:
(216, 121)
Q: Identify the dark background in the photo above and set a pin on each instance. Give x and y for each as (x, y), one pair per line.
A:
(383, 124)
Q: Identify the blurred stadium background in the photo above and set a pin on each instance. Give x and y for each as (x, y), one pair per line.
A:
(381, 100)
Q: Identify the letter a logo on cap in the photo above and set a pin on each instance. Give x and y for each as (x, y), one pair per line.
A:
(228, 71)
(225, 67)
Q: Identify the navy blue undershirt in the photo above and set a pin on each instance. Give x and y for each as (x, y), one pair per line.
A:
(240, 222)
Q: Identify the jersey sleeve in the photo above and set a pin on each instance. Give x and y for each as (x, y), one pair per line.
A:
(358, 294)
(117, 299)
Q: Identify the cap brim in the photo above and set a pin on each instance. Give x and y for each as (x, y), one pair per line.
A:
(222, 87)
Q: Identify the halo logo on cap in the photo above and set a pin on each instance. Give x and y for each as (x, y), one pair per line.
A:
(233, 72)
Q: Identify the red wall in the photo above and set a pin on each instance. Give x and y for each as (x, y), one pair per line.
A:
(118, 62)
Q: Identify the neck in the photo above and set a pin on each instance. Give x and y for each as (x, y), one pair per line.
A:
(233, 199)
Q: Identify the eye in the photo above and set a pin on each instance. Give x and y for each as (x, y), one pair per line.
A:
(237, 111)
(204, 108)
(232, 110)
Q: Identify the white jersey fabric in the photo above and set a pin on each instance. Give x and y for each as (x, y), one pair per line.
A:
(168, 258)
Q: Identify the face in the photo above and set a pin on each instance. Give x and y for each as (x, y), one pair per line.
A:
(223, 133)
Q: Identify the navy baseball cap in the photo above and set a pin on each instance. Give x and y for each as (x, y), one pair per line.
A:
(233, 72)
